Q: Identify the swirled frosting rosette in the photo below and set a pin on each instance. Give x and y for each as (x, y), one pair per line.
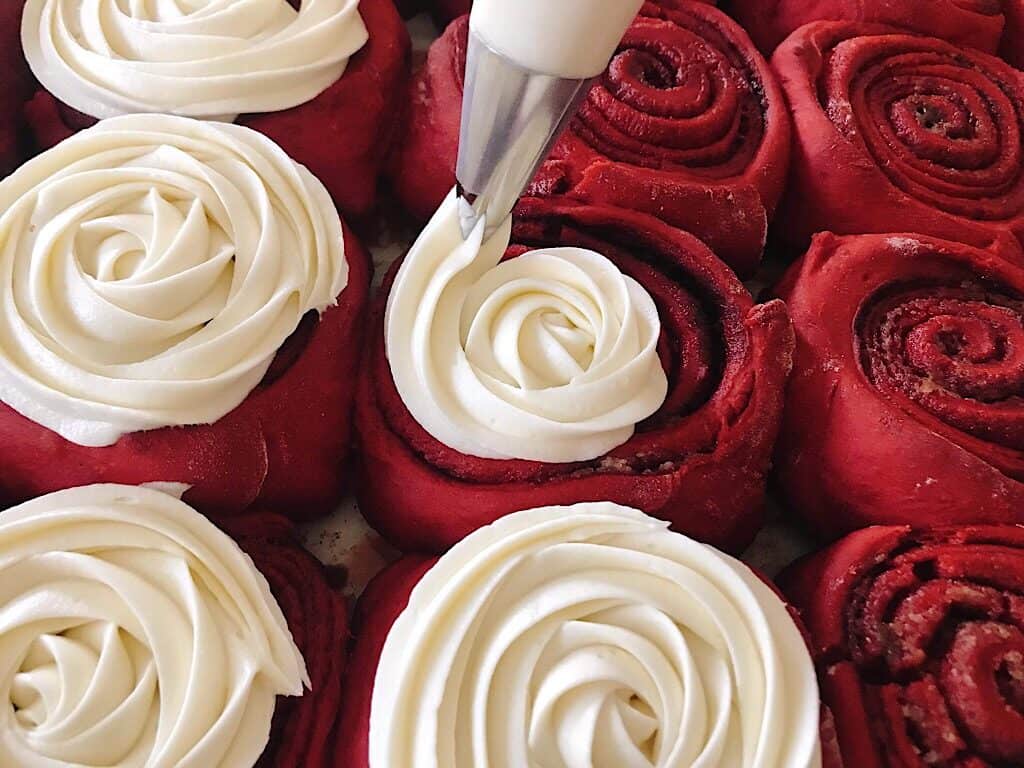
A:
(602, 355)
(905, 402)
(919, 639)
(687, 123)
(972, 23)
(320, 77)
(584, 636)
(134, 633)
(212, 59)
(901, 133)
(161, 272)
(551, 356)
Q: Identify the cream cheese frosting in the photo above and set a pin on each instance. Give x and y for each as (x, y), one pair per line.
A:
(551, 356)
(200, 58)
(133, 633)
(150, 268)
(592, 637)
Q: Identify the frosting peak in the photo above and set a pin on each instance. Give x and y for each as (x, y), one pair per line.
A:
(550, 356)
(592, 637)
(134, 633)
(150, 269)
(199, 58)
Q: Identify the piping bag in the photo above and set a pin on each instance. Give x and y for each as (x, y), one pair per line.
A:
(530, 63)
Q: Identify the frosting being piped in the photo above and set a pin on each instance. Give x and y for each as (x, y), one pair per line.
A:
(134, 633)
(551, 356)
(592, 637)
(199, 58)
(150, 269)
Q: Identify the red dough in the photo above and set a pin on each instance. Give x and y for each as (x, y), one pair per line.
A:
(342, 135)
(900, 133)
(905, 402)
(376, 612)
(304, 729)
(700, 462)
(284, 447)
(919, 639)
(15, 87)
(688, 124)
(972, 23)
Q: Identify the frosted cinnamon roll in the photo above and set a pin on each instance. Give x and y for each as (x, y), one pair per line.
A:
(582, 636)
(135, 633)
(581, 352)
(318, 76)
(160, 272)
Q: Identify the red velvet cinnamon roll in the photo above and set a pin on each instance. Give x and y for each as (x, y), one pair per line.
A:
(137, 633)
(905, 402)
(586, 635)
(897, 133)
(323, 78)
(182, 304)
(972, 23)
(304, 729)
(687, 124)
(618, 360)
(919, 640)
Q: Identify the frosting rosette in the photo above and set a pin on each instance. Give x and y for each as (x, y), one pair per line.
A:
(160, 272)
(587, 636)
(919, 639)
(318, 76)
(304, 729)
(905, 401)
(971, 23)
(551, 356)
(603, 355)
(687, 123)
(900, 133)
(134, 633)
(210, 59)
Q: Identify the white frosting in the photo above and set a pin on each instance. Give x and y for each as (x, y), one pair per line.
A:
(133, 633)
(551, 356)
(201, 58)
(150, 268)
(566, 38)
(592, 637)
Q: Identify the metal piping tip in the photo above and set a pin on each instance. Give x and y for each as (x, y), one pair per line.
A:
(511, 118)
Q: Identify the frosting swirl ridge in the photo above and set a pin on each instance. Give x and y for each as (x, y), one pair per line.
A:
(134, 633)
(199, 58)
(150, 268)
(549, 356)
(588, 637)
